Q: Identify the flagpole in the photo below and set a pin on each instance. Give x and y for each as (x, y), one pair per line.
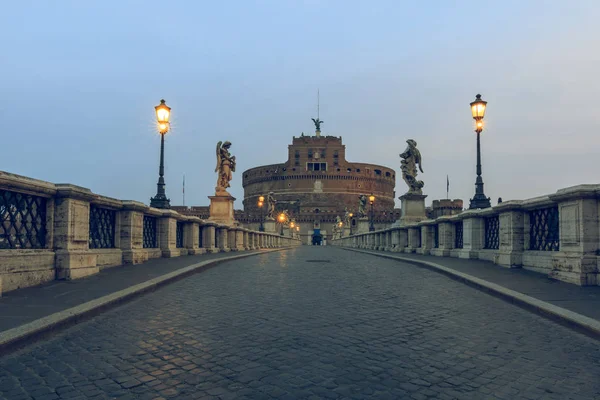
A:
(184, 190)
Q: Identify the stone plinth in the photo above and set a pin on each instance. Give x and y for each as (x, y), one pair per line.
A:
(413, 208)
(270, 226)
(221, 209)
(363, 225)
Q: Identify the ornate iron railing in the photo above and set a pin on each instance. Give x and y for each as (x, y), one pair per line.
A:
(419, 244)
(150, 241)
(179, 235)
(458, 235)
(200, 244)
(102, 227)
(492, 233)
(216, 238)
(22, 221)
(436, 236)
(544, 229)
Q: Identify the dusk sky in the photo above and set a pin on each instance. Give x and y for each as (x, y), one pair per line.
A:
(80, 80)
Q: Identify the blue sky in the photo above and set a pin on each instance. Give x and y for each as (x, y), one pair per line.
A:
(80, 80)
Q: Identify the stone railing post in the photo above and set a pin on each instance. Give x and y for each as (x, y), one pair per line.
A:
(72, 233)
(445, 237)
(239, 239)
(414, 239)
(426, 237)
(132, 232)
(577, 260)
(402, 239)
(192, 232)
(223, 238)
(473, 234)
(512, 231)
(168, 233)
(247, 240)
(208, 236)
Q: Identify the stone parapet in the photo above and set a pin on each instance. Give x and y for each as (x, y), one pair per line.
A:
(557, 234)
(79, 232)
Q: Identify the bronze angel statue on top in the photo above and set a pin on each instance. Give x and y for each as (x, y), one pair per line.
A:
(225, 166)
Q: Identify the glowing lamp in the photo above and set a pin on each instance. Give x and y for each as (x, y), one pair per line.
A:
(261, 199)
(371, 199)
(281, 218)
(478, 108)
(163, 112)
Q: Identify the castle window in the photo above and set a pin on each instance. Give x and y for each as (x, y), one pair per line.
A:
(349, 170)
(388, 174)
(335, 154)
(297, 154)
(297, 164)
(357, 169)
(323, 153)
(310, 153)
(316, 166)
(338, 170)
(377, 172)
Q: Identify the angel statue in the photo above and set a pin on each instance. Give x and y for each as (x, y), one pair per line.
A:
(346, 216)
(271, 206)
(410, 158)
(338, 220)
(362, 206)
(225, 166)
(318, 123)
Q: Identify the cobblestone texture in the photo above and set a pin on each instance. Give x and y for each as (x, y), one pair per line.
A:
(314, 323)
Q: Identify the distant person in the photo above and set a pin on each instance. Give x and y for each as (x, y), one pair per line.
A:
(499, 200)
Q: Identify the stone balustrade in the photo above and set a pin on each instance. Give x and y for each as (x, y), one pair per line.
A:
(558, 235)
(60, 231)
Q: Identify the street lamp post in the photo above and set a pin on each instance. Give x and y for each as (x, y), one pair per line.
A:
(281, 218)
(350, 222)
(163, 112)
(371, 226)
(297, 231)
(292, 225)
(261, 202)
(478, 111)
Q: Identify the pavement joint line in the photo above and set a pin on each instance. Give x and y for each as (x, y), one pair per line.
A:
(20, 336)
(570, 319)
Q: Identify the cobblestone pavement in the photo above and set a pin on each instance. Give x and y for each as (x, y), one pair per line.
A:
(311, 322)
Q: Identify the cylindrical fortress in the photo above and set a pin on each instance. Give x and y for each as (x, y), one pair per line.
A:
(316, 183)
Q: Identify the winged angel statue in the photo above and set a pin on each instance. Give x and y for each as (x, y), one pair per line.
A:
(225, 166)
(410, 159)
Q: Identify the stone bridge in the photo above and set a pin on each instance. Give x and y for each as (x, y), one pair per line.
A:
(176, 307)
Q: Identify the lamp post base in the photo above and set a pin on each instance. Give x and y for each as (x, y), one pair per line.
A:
(160, 201)
(479, 201)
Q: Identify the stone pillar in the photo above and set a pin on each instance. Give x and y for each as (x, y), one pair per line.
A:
(395, 240)
(132, 232)
(72, 232)
(208, 236)
(239, 239)
(167, 237)
(389, 245)
(445, 237)
(223, 238)
(248, 245)
(511, 220)
(414, 239)
(403, 239)
(191, 236)
(426, 239)
(473, 231)
(577, 260)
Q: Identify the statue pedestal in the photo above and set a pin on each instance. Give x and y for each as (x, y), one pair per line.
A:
(412, 208)
(346, 232)
(363, 225)
(221, 209)
(270, 226)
